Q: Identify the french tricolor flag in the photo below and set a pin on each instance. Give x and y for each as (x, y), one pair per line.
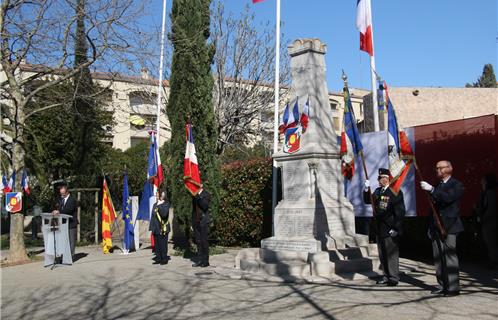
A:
(305, 115)
(364, 25)
(191, 176)
(25, 182)
(5, 185)
(155, 171)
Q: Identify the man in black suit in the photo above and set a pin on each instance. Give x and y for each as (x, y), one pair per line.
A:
(200, 225)
(66, 204)
(389, 212)
(446, 196)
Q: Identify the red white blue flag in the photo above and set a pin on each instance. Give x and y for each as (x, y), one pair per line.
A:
(191, 176)
(289, 119)
(351, 144)
(399, 152)
(364, 25)
(5, 185)
(305, 115)
(25, 182)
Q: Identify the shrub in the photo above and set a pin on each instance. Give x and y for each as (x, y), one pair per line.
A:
(244, 217)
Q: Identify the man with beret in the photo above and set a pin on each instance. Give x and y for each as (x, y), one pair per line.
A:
(389, 210)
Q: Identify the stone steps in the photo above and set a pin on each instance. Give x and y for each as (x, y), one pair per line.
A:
(323, 264)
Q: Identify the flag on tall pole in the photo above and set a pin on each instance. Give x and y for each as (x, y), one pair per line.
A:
(154, 180)
(191, 176)
(399, 150)
(108, 216)
(127, 217)
(351, 144)
(365, 26)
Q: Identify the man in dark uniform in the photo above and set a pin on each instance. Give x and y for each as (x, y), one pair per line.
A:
(159, 226)
(66, 204)
(200, 225)
(389, 212)
(446, 196)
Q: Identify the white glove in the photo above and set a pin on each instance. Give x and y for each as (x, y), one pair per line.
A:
(393, 233)
(367, 185)
(426, 186)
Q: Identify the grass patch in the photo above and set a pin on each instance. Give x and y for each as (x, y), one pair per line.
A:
(28, 242)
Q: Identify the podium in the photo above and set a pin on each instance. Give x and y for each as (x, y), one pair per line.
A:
(55, 230)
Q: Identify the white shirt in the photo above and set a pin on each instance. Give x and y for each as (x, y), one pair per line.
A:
(446, 180)
(65, 199)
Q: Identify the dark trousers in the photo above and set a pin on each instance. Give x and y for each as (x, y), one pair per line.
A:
(201, 234)
(446, 262)
(161, 247)
(389, 257)
(72, 239)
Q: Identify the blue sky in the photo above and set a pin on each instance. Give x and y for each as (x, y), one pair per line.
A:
(417, 43)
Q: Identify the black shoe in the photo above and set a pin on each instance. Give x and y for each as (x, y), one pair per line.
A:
(438, 291)
(197, 264)
(451, 293)
(163, 263)
(156, 262)
(382, 281)
(392, 283)
(205, 264)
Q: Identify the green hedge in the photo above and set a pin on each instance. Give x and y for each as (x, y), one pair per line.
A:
(244, 217)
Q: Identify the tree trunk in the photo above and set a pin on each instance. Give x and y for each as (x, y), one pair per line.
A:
(17, 250)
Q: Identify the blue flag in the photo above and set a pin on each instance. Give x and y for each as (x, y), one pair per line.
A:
(350, 127)
(146, 202)
(127, 216)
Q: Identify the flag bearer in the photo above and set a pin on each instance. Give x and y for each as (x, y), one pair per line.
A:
(200, 225)
(389, 213)
(159, 226)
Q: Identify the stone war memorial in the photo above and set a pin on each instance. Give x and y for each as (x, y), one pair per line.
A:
(314, 225)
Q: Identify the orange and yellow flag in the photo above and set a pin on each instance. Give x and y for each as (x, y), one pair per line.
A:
(108, 216)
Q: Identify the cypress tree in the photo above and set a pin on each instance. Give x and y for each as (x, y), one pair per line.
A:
(486, 80)
(191, 84)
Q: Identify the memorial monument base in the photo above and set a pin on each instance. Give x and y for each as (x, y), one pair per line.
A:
(302, 258)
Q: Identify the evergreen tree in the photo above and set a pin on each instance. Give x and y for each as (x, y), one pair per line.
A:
(191, 97)
(487, 79)
(64, 131)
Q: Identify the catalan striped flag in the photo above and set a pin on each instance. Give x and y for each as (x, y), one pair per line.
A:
(108, 216)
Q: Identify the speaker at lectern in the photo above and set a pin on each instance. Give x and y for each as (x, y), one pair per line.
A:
(55, 230)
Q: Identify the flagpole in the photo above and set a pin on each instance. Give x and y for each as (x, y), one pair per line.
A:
(161, 63)
(373, 80)
(275, 115)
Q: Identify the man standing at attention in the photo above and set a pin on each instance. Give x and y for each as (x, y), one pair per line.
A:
(446, 196)
(389, 212)
(200, 225)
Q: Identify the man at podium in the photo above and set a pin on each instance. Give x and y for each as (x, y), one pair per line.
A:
(66, 204)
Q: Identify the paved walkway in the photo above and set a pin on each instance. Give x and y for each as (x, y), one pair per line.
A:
(115, 286)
